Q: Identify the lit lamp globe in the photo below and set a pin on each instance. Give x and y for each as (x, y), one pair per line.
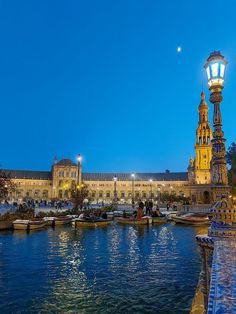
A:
(215, 69)
(79, 158)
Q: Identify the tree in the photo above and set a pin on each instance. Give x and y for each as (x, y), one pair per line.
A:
(6, 184)
(80, 195)
(231, 160)
(231, 153)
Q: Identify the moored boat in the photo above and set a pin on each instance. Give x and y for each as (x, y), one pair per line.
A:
(37, 224)
(110, 215)
(159, 220)
(5, 225)
(132, 221)
(192, 219)
(170, 216)
(27, 225)
(97, 222)
(49, 221)
(61, 221)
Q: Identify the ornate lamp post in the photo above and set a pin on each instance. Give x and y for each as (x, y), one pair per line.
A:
(215, 69)
(79, 159)
(115, 190)
(223, 212)
(223, 224)
(97, 194)
(159, 199)
(133, 179)
(150, 180)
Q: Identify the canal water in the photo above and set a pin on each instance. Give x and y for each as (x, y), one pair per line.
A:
(116, 269)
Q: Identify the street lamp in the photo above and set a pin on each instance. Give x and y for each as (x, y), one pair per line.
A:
(215, 69)
(79, 159)
(133, 179)
(159, 190)
(115, 190)
(150, 180)
(97, 195)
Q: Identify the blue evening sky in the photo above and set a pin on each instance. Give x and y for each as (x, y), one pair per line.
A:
(103, 78)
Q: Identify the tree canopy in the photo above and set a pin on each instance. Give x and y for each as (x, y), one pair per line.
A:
(6, 184)
(231, 160)
(231, 153)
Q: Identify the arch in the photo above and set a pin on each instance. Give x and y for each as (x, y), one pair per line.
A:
(73, 185)
(45, 194)
(122, 194)
(206, 197)
(60, 193)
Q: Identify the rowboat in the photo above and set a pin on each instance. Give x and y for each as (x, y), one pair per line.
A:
(27, 225)
(192, 219)
(49, 221)
(61, 221)
(110, 215)
(5, 225)
(159, 220)
(97, 222)
(132, 221)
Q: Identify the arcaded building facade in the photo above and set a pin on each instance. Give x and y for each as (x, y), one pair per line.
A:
(66, 177)
(62, 181)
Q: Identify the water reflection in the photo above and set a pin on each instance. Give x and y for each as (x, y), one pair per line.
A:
(119, 269)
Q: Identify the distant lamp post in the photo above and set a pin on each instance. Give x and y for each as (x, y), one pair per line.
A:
(150, 180)
(115, 189)
(79, 160)
(159, 199)
(97, 194)
(215, 69)
(133, 180)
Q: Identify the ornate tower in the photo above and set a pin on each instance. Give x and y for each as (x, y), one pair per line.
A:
(203, 146)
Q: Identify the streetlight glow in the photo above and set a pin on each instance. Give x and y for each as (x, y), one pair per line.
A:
(79, 158)
(215, 69)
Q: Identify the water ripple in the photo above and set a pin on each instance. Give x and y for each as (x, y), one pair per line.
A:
(119, 269)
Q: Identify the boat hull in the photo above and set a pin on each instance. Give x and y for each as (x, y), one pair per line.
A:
(62, 221)
(5, 225)
(159, 220)
(37, 226)
(29, 225)
(87, 223)
(184, 221)
(127, 221)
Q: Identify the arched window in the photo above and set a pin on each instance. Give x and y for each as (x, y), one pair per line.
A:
(73, 184)
(45, 193)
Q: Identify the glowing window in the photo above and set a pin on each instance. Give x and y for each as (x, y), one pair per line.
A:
(214, 69)
(208, 73)
(222, 70)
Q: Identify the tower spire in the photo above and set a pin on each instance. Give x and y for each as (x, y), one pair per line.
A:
(203, 144)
